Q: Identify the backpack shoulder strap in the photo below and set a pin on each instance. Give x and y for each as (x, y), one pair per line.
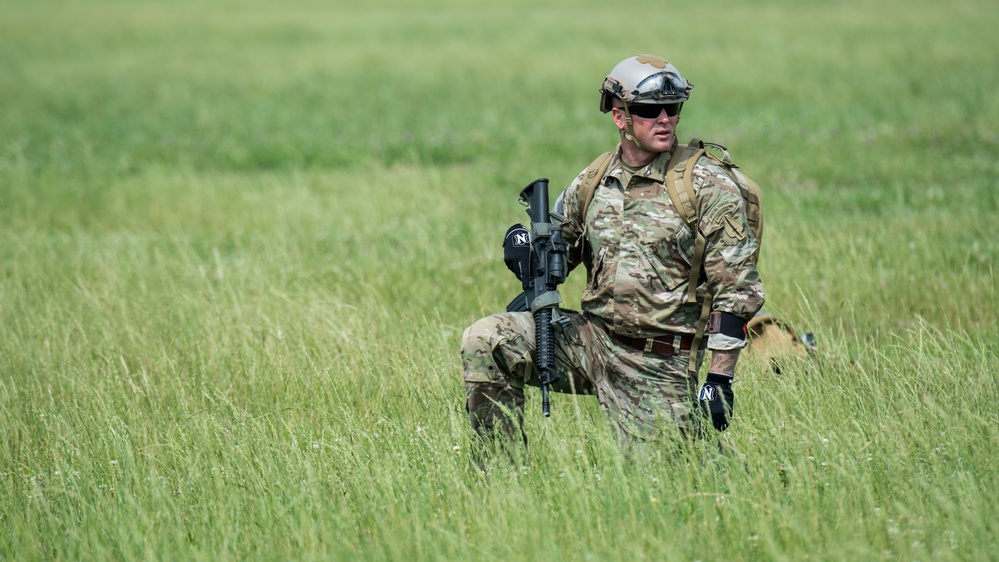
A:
(680, 187)
(680, 181)
(591, 179)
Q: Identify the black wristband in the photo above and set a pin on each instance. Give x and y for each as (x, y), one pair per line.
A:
(727, 324)
(719, 378)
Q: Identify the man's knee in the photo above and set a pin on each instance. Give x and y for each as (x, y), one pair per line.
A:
(490, 347)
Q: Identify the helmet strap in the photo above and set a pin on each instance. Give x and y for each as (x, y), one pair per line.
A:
(629, 126)
(629, 131)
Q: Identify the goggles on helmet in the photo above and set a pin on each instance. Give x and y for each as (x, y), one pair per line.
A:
(661, 87)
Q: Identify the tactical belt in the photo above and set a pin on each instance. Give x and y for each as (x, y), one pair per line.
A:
(664, 345)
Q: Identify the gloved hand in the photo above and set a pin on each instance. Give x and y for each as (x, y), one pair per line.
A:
(517, 250)
(716, 399)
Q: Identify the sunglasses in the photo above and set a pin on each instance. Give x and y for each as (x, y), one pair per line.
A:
(650, 111)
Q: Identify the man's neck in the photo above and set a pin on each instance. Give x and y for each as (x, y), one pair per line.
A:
(635, 156)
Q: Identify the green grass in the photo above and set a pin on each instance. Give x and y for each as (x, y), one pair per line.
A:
(240, 242)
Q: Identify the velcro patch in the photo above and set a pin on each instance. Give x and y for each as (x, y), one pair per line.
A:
(734, 229)
(716, 218)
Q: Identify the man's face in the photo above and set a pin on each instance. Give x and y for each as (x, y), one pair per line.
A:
(653, 126)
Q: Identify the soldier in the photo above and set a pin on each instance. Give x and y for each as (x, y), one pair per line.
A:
(631, 343)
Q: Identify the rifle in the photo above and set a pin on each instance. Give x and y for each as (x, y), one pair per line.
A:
(547, 270)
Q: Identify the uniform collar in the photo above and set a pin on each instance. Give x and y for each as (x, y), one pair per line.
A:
(655, 170)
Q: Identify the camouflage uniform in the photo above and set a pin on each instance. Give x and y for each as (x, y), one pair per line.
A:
(637, 251)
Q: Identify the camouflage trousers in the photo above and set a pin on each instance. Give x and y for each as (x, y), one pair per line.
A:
(644, 394)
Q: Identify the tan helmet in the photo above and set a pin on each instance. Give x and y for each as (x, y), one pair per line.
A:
(644, 79)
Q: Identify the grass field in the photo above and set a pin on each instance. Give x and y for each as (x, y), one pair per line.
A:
(239, 242)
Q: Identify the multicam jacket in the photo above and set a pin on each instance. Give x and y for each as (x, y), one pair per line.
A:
(639, 249)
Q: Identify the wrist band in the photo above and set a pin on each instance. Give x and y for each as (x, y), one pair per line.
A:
(718, 377)
(727, 324)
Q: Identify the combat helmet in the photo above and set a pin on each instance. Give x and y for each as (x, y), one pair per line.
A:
(644, 79)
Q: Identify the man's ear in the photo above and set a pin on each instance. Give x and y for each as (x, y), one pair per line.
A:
(618, 115)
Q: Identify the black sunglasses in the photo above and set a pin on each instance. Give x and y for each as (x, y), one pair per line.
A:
(650, 111)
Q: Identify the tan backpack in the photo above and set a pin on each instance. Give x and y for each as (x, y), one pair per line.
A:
(775, 342)
(680, 187)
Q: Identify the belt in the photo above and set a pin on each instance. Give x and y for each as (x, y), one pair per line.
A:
(663, 345)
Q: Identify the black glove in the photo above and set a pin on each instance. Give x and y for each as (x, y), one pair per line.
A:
(717, 399)
(517, 250)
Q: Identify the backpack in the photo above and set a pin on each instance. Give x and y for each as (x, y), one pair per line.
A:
(680, 187)
(774, 341)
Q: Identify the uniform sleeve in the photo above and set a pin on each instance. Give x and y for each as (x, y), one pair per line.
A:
(732, 277)
(572, 226)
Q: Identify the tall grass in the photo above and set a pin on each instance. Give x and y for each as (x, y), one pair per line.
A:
(240, 242)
